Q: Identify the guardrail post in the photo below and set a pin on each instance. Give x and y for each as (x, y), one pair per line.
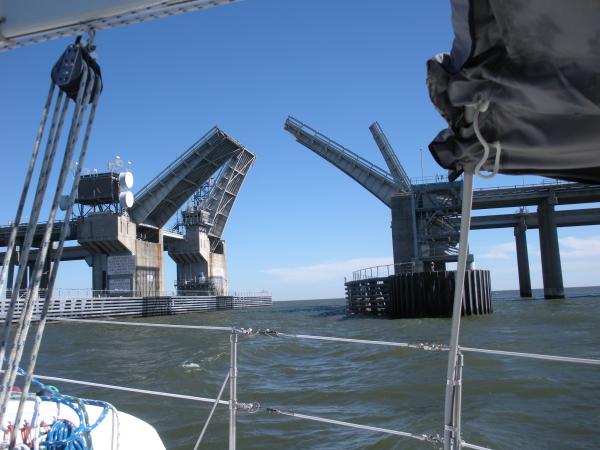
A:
(233, 340)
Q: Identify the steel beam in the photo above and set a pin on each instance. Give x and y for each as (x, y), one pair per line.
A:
(69, 254)
(514, 196)
(564, 218)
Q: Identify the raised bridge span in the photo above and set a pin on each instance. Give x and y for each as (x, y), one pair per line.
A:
(544, 197)
(426, 215)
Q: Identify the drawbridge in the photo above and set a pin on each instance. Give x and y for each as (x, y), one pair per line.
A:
(124, 243)
(424, 234)
(426, 216)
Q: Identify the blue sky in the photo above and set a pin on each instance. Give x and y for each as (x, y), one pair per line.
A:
(299, 225)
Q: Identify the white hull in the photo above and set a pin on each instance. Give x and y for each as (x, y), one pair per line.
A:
(115, 431)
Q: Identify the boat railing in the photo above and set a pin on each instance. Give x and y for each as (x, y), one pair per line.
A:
(231, 377)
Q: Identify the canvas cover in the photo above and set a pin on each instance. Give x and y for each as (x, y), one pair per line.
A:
(537, 62)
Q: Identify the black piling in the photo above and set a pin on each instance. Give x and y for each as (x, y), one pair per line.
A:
(424, 294)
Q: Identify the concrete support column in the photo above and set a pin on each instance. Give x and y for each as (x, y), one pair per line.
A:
(404, 239)
(11, 273)
(99, 273)
(551, 267)
(523, 260)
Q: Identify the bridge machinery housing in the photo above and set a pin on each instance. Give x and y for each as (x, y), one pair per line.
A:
(125, 242)
(123, 237)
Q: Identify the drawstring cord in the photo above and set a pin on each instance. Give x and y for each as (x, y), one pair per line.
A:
(480, 107)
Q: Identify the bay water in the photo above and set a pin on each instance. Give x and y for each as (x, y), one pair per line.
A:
(508, 402)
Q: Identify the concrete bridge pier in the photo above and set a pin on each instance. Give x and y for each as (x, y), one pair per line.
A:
(551, 267)
(404, 232)
(523, 260)
(10, 276)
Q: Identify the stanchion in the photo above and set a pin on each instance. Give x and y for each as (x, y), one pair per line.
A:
(233, 339)
(451, 426)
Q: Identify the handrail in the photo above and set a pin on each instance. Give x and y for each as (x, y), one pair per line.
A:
(544, 183)
(82, 293)
(383, 271)
(430, 179)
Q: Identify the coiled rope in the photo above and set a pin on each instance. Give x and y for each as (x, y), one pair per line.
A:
(63, 434)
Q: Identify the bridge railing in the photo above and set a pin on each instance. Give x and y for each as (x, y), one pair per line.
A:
(546, 182)
(439, 178)
(382, 271)
(79, 304)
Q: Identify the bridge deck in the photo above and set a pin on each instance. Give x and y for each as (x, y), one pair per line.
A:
(515, 196)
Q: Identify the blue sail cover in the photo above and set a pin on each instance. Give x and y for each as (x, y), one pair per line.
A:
(537, 62)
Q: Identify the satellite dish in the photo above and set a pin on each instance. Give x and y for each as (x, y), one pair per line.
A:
(126, 180)
(63, 204)
(126, 199)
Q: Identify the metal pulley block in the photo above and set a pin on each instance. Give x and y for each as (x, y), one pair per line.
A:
(71, 67)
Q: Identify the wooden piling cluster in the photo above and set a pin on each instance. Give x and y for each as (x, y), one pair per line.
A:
(370, 296)
(424, 294)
